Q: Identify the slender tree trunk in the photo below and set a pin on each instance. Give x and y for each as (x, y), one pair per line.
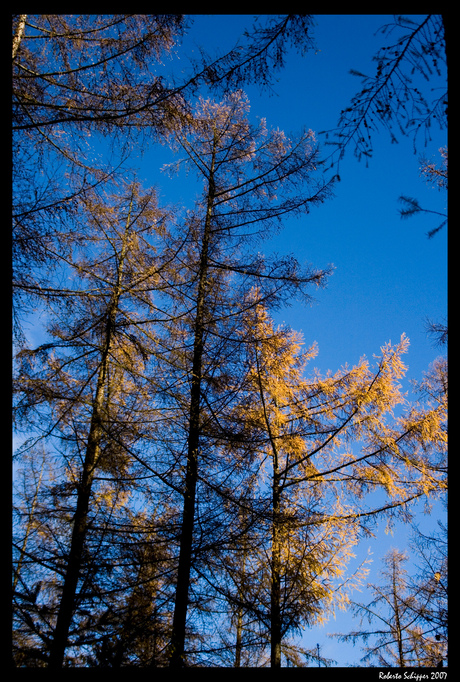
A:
(239, 637)
(399, 634)
(67, 604)
(80, 526)
(275, 615)
(275, 589)
(19, 33)
(191, 477)
(241, 596)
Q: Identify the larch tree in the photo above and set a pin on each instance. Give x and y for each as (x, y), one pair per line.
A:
(251, 179)
(79, 83)
(86, 395)
(99, 69)
(91, 90)
(430, 582)
(395, 636)
(330, 441)
(305, 557)
(430, 587)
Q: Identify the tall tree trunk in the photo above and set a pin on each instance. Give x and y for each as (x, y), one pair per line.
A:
(398, 629)
(275, 602)
(67, 604)
(275, 588)
(19, 33)
(239, 637)
(80, 525)
(191, 477)
(241, 596)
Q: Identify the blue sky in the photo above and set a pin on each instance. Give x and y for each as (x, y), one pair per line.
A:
(389, 277)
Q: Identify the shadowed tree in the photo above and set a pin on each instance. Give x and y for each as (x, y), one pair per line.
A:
(85, 390)
(251, 179)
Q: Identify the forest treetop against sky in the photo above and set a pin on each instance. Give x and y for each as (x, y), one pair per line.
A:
(388, 276)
